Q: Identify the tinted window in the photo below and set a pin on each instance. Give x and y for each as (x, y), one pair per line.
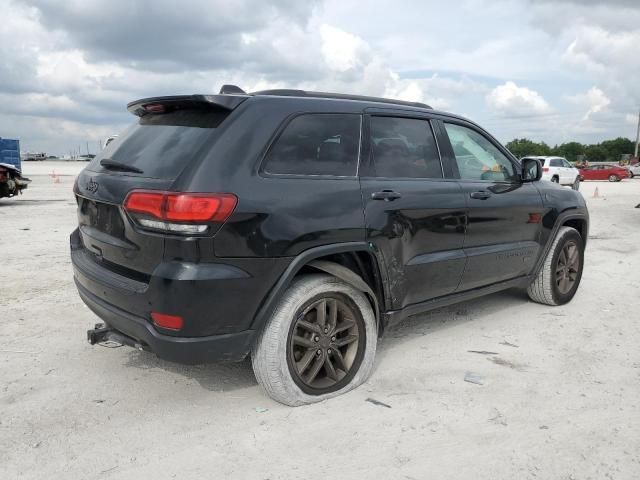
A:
(477, 158)
(566, 164)
(162, 145)
(317, 144)
(404, 148)
(556, 162)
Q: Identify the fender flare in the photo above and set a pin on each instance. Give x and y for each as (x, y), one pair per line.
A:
(308, 257)
(350, 277)
(560, 220)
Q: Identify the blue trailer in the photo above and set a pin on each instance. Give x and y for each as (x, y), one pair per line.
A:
(10, 152)
(11, 180)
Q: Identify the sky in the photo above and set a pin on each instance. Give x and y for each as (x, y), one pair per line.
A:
(548, 70)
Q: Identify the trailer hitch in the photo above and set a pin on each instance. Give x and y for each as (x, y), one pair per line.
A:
(105, 336)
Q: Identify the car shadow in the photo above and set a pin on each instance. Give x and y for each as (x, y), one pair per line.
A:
(226, 377)
(448, 317)
(11, 202)
(215, 377)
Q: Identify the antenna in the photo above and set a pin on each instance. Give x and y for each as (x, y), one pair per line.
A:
(231, 89)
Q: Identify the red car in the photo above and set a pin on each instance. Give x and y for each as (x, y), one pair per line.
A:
(612, 173)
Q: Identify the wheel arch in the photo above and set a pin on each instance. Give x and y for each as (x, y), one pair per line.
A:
(356, 263)
(579, 221)
(580, 224)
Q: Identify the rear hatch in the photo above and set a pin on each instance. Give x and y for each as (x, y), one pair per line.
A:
(171, 134)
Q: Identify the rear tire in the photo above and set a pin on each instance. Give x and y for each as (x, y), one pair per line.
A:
(555, 179)
(614, 178)
(558, 281)
(277, 365)
(631, 175)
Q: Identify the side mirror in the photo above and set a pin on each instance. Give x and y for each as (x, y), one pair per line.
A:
(531, 170)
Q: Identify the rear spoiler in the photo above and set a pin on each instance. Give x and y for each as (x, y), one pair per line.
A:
(224, 102)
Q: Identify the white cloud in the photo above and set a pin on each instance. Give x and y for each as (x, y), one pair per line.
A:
(511, 100)
(343, 51)
(594, 101)
(518, 67)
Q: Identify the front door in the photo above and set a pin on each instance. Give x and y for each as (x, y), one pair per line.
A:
(414, 217)
(567, 172)
(504, 214)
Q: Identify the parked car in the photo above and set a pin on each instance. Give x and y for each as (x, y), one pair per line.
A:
(559, 170)
(613, 173)
(634, 170)
(296, 227)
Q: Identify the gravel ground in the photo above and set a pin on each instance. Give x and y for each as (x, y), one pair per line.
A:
(560, 397)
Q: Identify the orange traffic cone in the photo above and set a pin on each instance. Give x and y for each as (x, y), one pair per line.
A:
(596, 193)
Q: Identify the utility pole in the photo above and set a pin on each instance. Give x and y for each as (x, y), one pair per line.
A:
(637, 137)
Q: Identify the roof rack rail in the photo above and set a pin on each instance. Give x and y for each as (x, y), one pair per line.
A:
(284, 92)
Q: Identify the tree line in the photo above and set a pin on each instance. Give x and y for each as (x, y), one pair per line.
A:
(607, 151)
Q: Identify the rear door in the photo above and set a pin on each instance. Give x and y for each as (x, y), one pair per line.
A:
(149, 155)
(595, 172)
(413, 216)
(504, 214)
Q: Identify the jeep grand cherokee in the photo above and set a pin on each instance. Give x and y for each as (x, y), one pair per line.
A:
(295, 227)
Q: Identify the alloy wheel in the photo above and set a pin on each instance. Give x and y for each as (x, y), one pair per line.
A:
(567, 267)
(325, 344)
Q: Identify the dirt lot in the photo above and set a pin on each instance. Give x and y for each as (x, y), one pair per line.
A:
(560, 399)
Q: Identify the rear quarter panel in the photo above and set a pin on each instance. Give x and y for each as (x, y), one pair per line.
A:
(276, 215)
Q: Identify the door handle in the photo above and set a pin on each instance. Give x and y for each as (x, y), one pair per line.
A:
(482, 195)
(387, 195)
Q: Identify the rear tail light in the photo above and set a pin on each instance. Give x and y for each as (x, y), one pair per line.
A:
(170, 322)
(181, 213)
(545, 169)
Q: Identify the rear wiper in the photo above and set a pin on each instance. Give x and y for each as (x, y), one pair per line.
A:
(114, 165)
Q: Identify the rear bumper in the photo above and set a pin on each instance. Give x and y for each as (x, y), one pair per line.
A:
(217, 301)
(187, 350)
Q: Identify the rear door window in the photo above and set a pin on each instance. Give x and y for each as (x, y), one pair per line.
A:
(316, 144)
(556, 162)
(404, 148)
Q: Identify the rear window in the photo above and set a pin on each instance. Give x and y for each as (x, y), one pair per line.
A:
(316, 144)
(162, 145)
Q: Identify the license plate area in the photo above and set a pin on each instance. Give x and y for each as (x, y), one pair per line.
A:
(102, 216)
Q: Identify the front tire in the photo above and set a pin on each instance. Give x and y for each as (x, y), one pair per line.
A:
(320, 342)
(576, 184)
(614, 178)
(559, 278)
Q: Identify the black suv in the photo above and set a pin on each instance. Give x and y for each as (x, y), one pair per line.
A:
(297, 226)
